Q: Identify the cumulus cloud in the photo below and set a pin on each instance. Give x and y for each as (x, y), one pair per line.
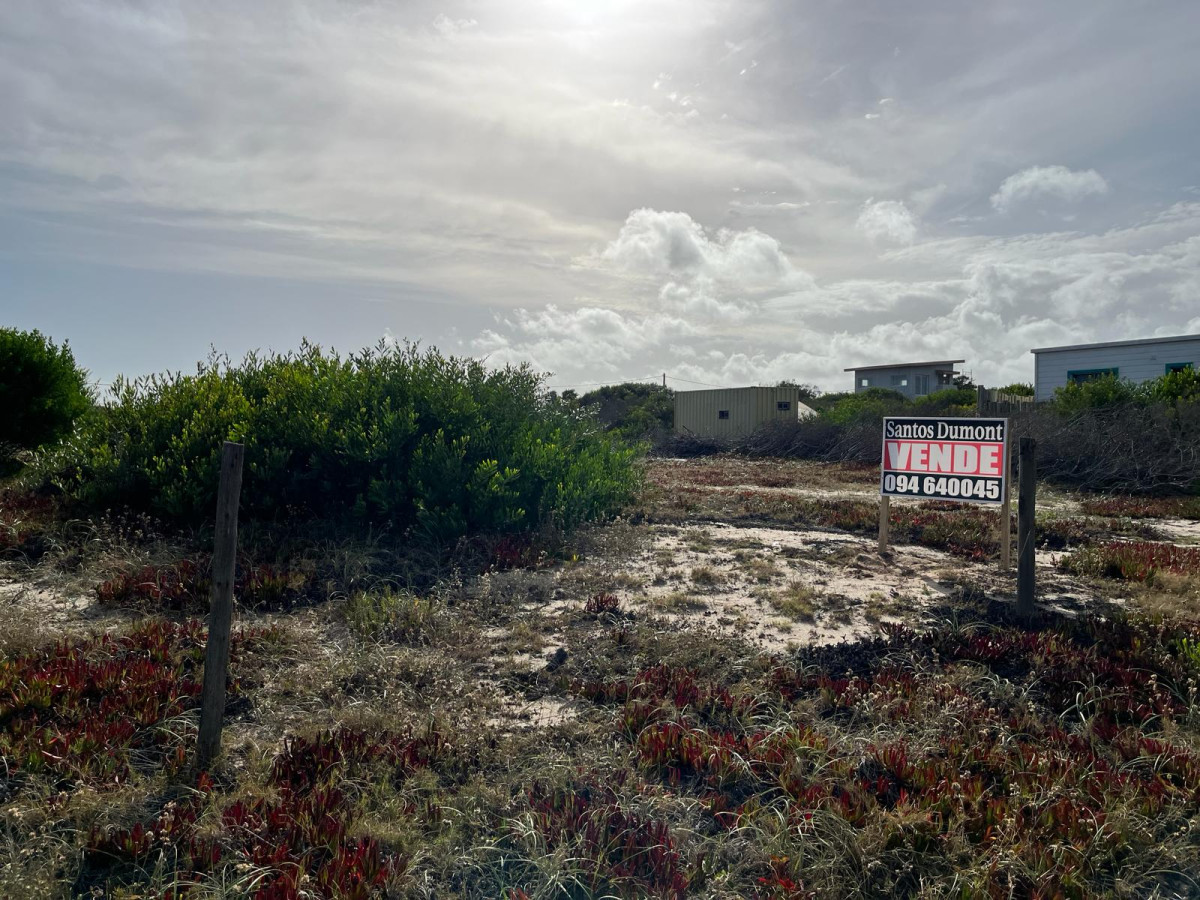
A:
(1057, 182)
(997, 298)
(673, 245)
(887, 221)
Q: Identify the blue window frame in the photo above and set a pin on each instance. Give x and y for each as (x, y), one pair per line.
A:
(1177, 367)
(1081, 376)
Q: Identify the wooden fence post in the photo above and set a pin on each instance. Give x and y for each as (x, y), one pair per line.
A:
(1026, 542)
(884, 516)
(220, 613)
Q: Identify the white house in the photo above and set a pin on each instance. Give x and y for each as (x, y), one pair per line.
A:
(1139, 360)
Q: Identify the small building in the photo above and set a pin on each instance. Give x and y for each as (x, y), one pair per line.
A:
(736, 412)
(915, 379)
(1137, 360)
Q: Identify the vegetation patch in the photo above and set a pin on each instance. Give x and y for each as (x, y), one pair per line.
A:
(298, 837)
(796, 601)
(413, 439)
(186, 584)
(1143, 507)
(1132, 560)
(1067, 768)
(394, 615)
(89, 711)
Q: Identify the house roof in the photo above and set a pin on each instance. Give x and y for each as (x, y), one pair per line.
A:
(1157, 340)
(907, 365)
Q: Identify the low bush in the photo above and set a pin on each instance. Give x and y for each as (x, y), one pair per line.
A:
(436, 445)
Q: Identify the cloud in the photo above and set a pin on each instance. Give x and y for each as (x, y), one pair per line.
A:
(673, 245)
(1057, 182)
(996, 298)
(449, 27)
(887, 221)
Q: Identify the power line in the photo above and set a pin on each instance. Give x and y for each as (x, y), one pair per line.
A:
(558, 387)
(652, 378)
(689, 381)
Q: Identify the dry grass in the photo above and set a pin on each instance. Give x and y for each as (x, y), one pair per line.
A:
(797, 601)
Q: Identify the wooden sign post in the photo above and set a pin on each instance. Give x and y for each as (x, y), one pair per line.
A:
(884, 517)
(220, 613)
(1026, 526)
(1006, 520)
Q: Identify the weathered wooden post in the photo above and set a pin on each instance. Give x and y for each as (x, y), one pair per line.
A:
(884, 521)
(1006, 518)
(1026, 542)
(220, 613)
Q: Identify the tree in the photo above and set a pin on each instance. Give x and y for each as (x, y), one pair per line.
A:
(807, 391)
(42, 390)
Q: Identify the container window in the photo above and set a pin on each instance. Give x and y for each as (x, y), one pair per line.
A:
(722, 414)
(865, 382)
(899, 381)
(1082, 376)
(783, 405)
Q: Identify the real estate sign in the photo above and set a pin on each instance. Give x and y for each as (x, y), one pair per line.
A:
(945, 459)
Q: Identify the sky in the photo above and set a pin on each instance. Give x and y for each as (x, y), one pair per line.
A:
(728, 192)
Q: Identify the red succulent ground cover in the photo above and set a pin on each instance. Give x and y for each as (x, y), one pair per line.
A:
(185, 584)
(301, 836)
(88, 711)
(1143, 507)
(614, 844)
(1040, 780)
(601, 603)
(1132, 560)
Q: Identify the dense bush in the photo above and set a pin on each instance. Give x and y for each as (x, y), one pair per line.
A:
(400, 436)
(42, 391)
(634, 409)
(1181, 386)
(1018, 389)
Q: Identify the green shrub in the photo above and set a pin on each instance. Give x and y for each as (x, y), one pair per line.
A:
(949, 401)
(871, 404)
(1018, 389)
(437, 444)
(1180, 386)
(42, 391)
(1107, 390)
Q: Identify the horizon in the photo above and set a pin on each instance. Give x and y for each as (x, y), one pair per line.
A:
(730, 193)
